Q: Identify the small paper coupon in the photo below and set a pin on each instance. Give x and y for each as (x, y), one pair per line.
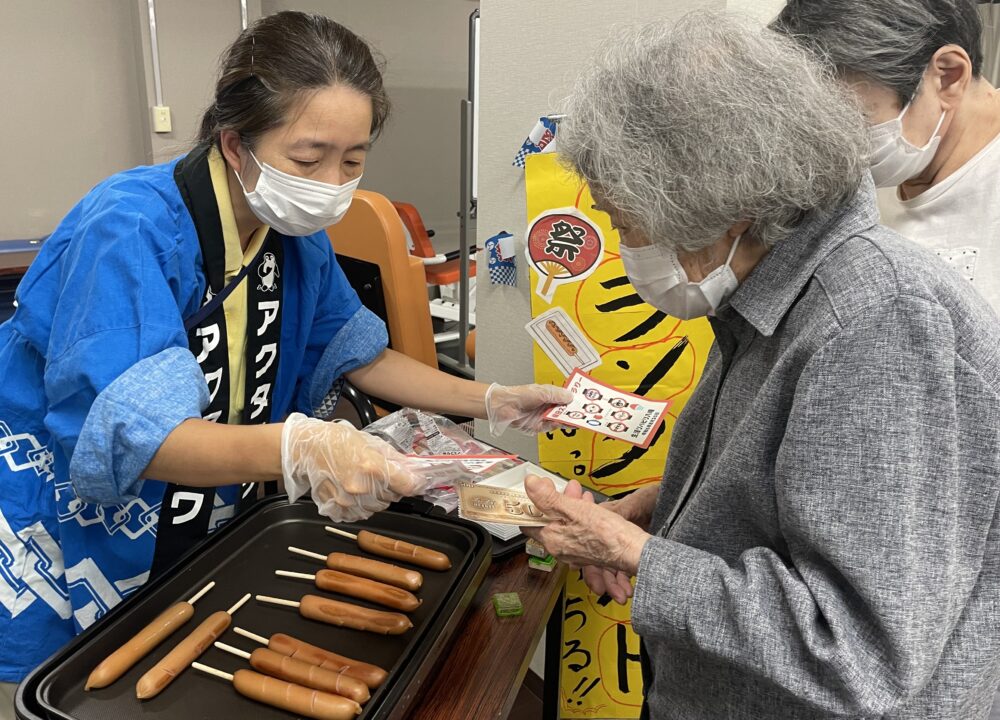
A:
(609, 411)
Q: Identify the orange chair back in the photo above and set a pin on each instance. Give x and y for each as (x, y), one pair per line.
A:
(373, 232)
(446, 273)
(422, 246)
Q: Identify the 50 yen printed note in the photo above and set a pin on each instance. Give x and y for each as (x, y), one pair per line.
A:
(498, 505)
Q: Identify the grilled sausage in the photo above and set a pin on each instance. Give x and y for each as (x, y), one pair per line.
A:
(300, 672)
(402, 550)
(344, 614)
(375, 570)
(371, 675)
(294, 698)
(140, 645)
(183, 654)
(376, 592)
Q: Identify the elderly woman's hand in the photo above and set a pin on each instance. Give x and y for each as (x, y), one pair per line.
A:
(583, 534)
(602, 580)
(636, 507)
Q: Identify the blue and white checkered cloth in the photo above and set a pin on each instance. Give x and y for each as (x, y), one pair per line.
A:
(502, 271)
(542, 138)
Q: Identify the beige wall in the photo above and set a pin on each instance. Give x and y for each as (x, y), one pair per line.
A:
(78, 89)
(525, 69)
(78, 106)
(425, 45)
(991, 42)
(192, 35)
(70, 86)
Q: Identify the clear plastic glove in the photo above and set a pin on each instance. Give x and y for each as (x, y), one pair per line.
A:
(349, 473)
(522, 407)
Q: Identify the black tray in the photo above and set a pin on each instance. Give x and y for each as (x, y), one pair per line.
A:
(242, 558)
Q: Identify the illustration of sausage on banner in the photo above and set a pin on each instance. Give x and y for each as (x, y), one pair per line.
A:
(563, 342)
(609, 411)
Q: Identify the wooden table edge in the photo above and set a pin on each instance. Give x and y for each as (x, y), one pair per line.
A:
(491, 682)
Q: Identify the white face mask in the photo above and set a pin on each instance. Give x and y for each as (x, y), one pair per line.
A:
(894, 159)
(659, 278)
(297, 206)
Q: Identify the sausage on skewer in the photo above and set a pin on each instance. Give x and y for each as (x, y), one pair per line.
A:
(371, 675)
(185, 652)
(363, 588)
(365, 567)
(334, 612)
(287, 696)
(144, 642)
(396, 549)
(301, 673)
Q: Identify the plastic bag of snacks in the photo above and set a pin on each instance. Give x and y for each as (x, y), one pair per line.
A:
(448, 454)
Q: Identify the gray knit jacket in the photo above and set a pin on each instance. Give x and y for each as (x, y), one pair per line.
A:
(826, 537)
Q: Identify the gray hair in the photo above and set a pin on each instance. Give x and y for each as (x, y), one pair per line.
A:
(689, 128)
(888, 41)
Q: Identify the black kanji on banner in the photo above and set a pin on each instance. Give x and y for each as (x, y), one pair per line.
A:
(565, 240)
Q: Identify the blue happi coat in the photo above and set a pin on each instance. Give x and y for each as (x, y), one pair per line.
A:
(96, 371)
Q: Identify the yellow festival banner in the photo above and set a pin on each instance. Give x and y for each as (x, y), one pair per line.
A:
(640, 350)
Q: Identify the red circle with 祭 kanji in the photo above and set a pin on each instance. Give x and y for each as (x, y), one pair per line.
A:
(564, 246)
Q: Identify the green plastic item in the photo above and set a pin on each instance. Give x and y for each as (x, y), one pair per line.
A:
(508, 604)
(546, 564)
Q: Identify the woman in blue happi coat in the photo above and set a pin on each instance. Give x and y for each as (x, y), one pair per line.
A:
(182, 323)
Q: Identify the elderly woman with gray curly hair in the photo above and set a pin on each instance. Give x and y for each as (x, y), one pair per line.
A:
(824, 542)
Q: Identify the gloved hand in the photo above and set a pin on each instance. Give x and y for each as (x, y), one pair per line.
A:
(522, 407)
(350, 474)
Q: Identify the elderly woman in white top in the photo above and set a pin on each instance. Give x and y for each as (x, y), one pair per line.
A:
(825, 540)
(935, 120)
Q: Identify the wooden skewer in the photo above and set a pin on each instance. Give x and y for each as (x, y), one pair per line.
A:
(198, 595)
(212, 671)
(277, 601)
(252, 636)
(300, 576)
(233, 650)
(343, 533)
(240, 603)
(306, 553)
